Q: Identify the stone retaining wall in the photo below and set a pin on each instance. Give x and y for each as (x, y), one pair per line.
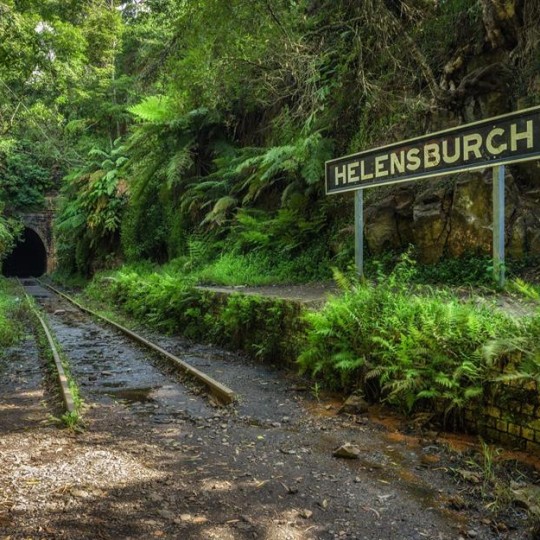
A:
(509, 414)
(270, 329)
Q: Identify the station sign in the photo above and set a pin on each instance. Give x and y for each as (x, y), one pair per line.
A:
(510, 138)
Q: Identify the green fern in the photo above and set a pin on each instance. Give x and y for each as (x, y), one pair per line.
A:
(528, 290)
(418, 349)
(343, 281)
(154, 109)
(221, 209)
(179, 163)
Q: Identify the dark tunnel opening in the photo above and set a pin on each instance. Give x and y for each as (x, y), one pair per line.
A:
(28, 259)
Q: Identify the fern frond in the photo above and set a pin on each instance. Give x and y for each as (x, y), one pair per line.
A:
(530, 291)
(374, 373)
(178, 165)
(154, 109)
(342, 281)
(473, 392)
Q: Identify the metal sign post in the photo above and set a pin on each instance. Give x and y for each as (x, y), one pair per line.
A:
(359, 231)
(498, 225)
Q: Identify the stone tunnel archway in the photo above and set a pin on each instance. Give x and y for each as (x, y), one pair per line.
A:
(38, 232)
(28, 258)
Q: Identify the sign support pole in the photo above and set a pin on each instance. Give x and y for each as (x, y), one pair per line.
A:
(359, 231)
(498, 225)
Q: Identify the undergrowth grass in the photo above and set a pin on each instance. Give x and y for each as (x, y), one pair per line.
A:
(11, 312)
(470, 270)
(148, 293)
(260, 268)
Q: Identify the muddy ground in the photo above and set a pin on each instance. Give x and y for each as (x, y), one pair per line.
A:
(157, 459)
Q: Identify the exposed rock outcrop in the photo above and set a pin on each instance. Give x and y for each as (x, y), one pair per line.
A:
(453, 215)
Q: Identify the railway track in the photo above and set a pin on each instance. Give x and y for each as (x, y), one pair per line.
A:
(109, 361)
(63, 382)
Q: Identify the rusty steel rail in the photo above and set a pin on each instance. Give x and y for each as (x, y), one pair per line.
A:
(221, 392)
(67, 396)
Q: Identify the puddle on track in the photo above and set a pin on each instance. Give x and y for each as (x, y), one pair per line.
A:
(132, 395)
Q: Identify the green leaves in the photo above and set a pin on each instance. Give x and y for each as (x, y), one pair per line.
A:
(58, 92)
(94, 199)
(9, 231)
(417, 349)
(11, 310)
(302, 160)
(154, 109)
(23, 176)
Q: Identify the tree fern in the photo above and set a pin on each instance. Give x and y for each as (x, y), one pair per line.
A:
(221, 208)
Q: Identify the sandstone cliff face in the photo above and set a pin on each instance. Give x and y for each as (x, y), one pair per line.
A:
(454, 220)
(453, 216)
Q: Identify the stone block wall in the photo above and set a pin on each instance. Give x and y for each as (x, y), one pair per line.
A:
(510, 414)
(268, 329)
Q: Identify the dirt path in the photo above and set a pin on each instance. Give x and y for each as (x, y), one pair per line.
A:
(313, 294)
(159, 461)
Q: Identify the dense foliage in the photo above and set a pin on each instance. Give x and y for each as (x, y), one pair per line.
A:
(11, 310)
(267, 328)
(9, 230)
(414, 348)
(170, 120)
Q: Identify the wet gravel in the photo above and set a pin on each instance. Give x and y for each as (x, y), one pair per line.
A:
(158, 459)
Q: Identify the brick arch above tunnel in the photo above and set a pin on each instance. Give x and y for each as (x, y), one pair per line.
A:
(41, 224)
(43, 235)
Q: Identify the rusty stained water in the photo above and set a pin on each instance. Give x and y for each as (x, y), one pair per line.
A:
(393, 464)
(325, 405)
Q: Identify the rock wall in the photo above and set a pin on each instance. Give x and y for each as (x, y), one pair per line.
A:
(450, 216)
(453, 218)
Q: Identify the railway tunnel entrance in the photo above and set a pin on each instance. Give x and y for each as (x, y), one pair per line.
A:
(28, 259)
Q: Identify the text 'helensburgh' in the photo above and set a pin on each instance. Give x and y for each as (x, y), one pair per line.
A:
(506, 139)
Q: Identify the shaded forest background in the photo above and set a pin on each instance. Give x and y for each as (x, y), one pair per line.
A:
(177, 130)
